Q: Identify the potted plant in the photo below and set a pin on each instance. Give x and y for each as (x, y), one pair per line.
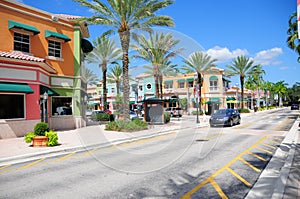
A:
(41, 136)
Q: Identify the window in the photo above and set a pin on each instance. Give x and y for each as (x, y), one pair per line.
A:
(112, 90)
(12, 106)
(181, 85)
(21, 42)
(213, 85)
(149, 86)
(61, 106)
(169, 85)
(140, 87)
(54, 48)
(190, 84)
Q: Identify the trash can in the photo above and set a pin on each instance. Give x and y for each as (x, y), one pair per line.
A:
(111, 117)
(255, 109)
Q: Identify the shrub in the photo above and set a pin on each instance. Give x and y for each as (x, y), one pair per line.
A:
(52, 138)
(245, 110)
(199, 112)
(28, 137)
(140, 122)
(167, 117)
(41, 128)
(112, 126)
(123, 125)
(102, 117)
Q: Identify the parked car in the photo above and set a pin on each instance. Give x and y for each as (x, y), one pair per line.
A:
(174, 111)
(133, 115)
(225, 117)
(295, 107)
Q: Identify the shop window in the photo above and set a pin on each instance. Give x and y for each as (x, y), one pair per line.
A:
(190, 84)
(21, 42)
(169, 85)
(181, 85)
(12, 106)
(54, 48)
(61, 106)
(213, 85)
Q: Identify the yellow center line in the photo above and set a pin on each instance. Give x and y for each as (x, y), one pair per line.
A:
(210, 137)
(250, 165)
(239, 177)
(243, 126)
(226, 167)
(257, 156)
(5, 166)
(90, 151)
(31, 164)
(64, 157)
(218, 189)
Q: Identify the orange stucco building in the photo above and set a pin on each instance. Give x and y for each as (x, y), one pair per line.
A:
(41, 69)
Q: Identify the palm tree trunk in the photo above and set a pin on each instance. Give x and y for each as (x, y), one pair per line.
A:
(161, 86)
(200, 86)
(104, 70)
(242, 88)
(125, 39)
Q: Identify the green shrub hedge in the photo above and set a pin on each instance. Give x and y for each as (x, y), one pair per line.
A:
(167, 117)
(244, 110)
(123, 125)
(52, 138)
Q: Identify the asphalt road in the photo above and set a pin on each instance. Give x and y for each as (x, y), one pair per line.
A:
(193, 162)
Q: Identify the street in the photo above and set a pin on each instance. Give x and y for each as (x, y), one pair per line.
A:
(188, 163)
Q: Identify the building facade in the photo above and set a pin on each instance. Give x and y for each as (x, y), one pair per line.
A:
(41, 69)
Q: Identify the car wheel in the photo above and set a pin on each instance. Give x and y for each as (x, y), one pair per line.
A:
(180, 115)
(239, 121)
(230, 123)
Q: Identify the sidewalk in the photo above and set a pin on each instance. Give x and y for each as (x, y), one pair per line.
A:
(15, 150)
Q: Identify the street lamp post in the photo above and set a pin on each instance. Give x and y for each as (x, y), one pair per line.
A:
(237, 87)
(45, 97)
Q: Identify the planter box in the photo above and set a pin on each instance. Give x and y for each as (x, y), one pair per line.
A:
(39, 141)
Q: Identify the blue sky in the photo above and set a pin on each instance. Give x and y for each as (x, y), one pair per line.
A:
(224, 29)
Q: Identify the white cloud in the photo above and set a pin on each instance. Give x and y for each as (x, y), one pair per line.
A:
(284, 68)
(224, 54)
(267, 57)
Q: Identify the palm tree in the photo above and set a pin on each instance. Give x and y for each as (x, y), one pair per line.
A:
(280, 88)
(268, 86)
(241, 66)
(105, 52)
(293, 40)
(123, 17)
(201, 63)
(115, 76)
(258, 81)
(91, 77)
(157, 50)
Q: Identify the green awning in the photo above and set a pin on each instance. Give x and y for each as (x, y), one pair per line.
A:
(13, 24)
(131, 102)
(190, 79)
(49, 33)
(49, 91)
(133, 85)
(15, 87)
(230, 98)
(214, 99)
(181, 80)
(86, 46)
(213, 78)
(168, 81)
(213, 102)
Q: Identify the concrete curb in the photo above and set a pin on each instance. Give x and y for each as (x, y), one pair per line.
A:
(272, 181)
